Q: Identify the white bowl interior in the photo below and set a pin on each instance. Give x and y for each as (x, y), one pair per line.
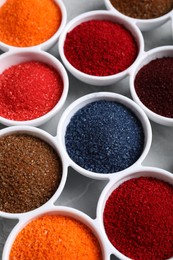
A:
(2, 2)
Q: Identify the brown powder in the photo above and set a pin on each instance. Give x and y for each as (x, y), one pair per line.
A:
(145, 9)
(30, 173)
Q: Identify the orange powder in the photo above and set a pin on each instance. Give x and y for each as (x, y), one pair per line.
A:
(55, 237)
(25, 23)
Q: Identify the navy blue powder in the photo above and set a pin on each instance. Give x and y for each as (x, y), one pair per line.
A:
(104, 137)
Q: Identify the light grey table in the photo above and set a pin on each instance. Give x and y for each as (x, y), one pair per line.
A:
(80, 192)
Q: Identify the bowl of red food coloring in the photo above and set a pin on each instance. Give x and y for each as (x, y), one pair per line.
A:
(135, 212)
(151, 84)
(56, 232)
(36, 25)
(147, 15)
(33, 87)
(99, 47)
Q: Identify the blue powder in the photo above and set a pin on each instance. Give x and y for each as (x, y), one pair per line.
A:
(104, 137)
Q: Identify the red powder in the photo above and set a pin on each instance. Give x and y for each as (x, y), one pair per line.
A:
(138, 219)
(29, 90)
(154, 86)
(100, 48)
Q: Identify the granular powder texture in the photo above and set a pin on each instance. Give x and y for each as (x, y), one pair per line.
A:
(145, 9)
(29, 90)
(153, 85)
(25, 23)
(104, 137)
(138, 219)
(103, 52)
(30, 173)
(53, 237)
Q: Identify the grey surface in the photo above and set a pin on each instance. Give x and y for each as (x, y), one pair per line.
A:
(80, 192)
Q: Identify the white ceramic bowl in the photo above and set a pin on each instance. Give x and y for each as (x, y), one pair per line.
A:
(47, 44)
(172, 24)
(160, 52)
(83, 101)
(135, 173)
(99, 15)
(143, 24)
(62, 211)
(19, 56)
(43, 135)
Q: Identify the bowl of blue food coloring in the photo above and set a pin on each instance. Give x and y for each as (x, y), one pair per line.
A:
(103, 134)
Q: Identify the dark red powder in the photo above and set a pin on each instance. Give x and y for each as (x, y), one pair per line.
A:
(29, 90)
(100, 48)
(154, 86)
(138, 219)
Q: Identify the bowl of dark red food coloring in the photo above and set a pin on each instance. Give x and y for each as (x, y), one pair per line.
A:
(151, 84)
(99, 47)
(147, 15)
(35, 25)
(56, 233)
(33, 87)
(103, 134)
(135, 212)
(32, 170)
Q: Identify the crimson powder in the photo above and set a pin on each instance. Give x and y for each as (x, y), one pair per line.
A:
(100, 48)
(138, 219)
(154, 86)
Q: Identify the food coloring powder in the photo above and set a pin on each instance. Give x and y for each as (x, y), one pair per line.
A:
(138, 219)
(30, 172)
(107, 51)
(104, 137)
(56, 237)
(29, 90)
